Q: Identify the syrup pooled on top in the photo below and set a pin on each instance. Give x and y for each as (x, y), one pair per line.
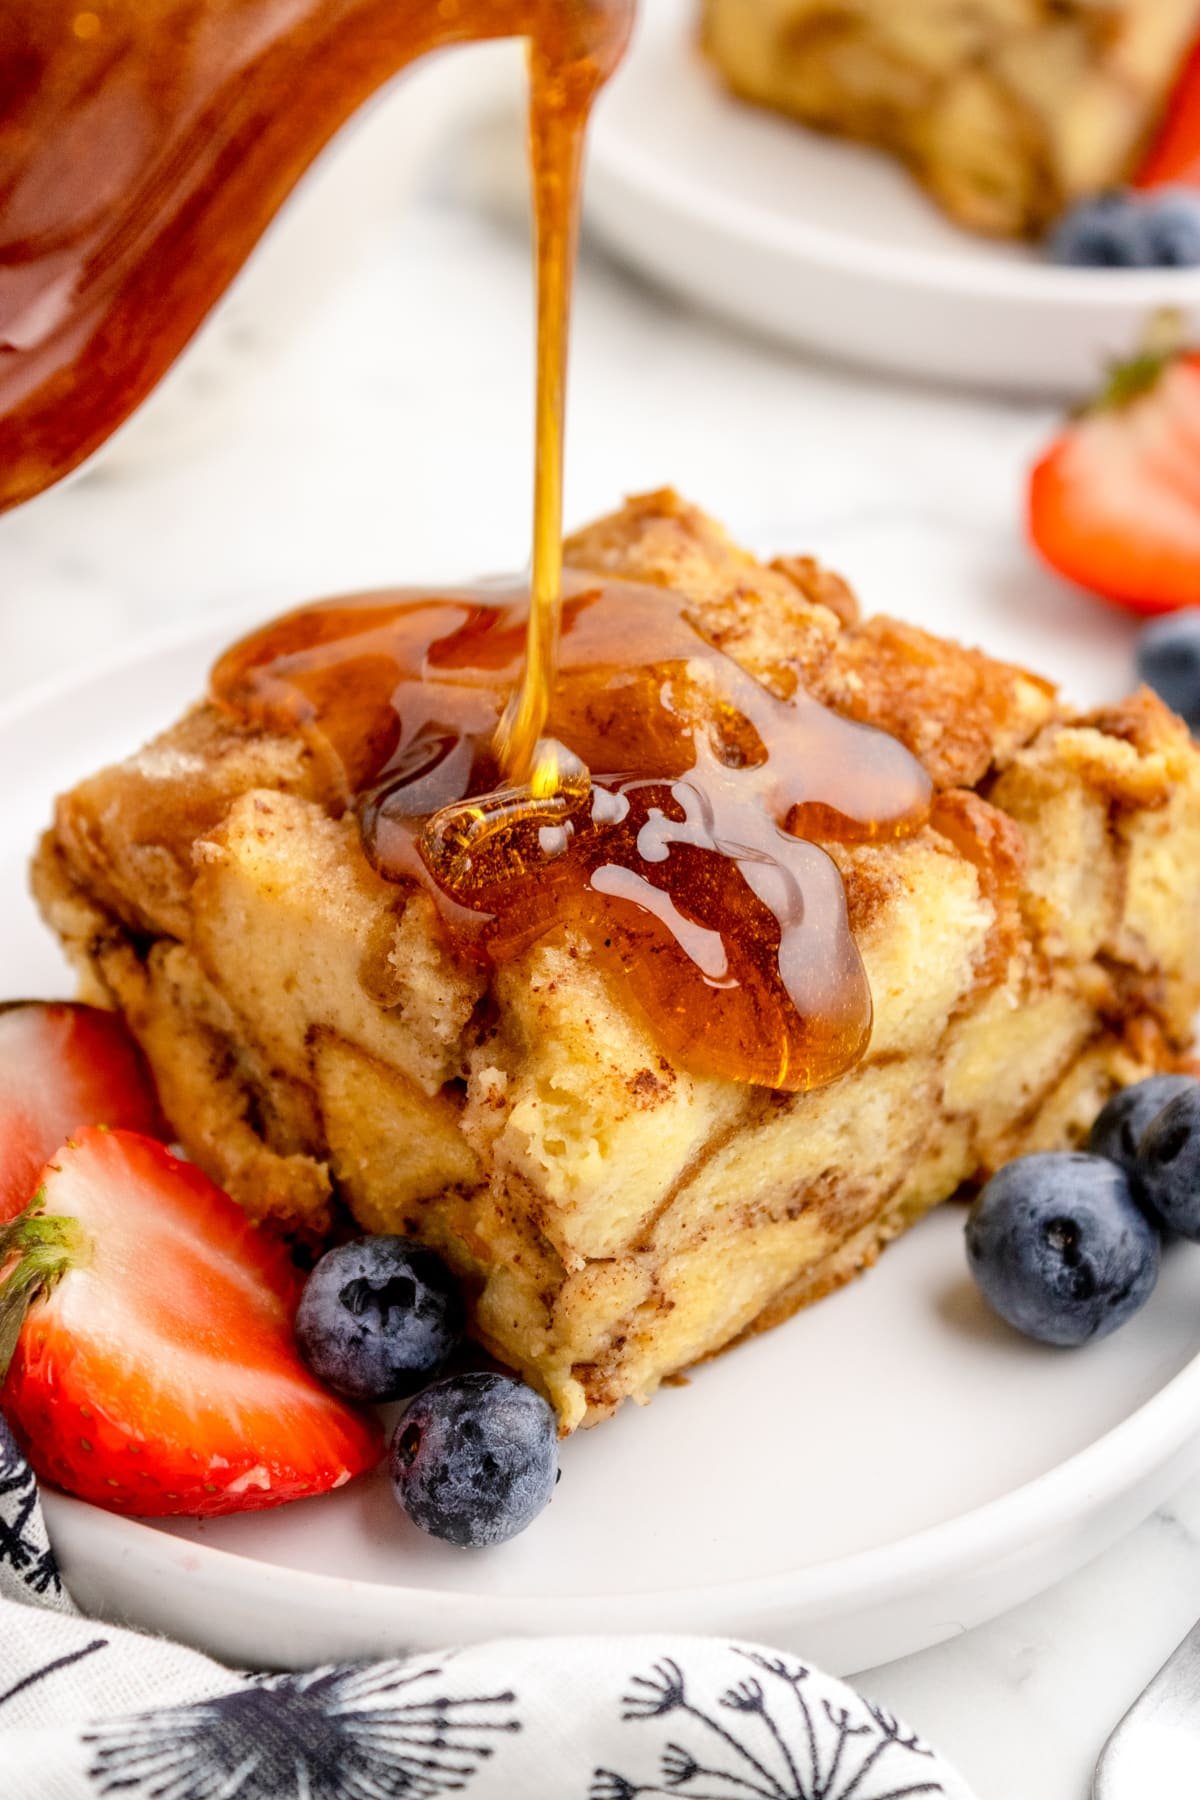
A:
(676, 839)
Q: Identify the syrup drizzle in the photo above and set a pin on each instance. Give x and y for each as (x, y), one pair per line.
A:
(683, 859)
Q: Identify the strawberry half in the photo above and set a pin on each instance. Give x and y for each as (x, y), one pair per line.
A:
(153, 1368)
(1174, 153)
(1115, 502)
(62, 1066)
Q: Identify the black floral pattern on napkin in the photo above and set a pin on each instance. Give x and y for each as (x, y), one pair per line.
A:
(381, 1732)
(26, 1559)
(747, 1746)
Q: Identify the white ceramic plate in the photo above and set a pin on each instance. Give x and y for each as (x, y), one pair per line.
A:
(886, 1469)
(832, 246)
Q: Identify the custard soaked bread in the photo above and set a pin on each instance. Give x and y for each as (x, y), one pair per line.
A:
(1007, 110)
(620, 1203)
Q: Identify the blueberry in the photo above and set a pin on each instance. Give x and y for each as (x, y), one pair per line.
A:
(475, 1458)
(1172, 228)
(1060, 1248)
(1120, 1124)
(1168, 660)
(1107, 231)
(1168, 1164)
(1126, 230)
(378, 1317)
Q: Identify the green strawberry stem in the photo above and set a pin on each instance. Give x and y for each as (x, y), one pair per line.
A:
(1163, 341)
(36, 1251)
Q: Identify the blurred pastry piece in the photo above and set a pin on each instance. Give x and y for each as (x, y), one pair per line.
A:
(1007, 111)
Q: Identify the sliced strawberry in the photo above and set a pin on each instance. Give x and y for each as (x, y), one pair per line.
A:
(155, 1371)
(1115, 502)
(62, 1066)
(1174, 153)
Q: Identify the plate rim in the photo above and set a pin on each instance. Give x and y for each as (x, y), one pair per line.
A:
(1116, 1462)
(1099, 1473)
(756, 227)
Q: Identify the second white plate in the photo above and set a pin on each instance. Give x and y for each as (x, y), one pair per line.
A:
(833, 247)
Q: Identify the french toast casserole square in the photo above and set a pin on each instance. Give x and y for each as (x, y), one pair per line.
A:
(321, 1050)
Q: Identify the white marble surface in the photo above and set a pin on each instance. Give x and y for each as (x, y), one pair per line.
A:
(359, 413)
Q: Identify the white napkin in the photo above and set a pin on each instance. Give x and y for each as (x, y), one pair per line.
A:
(91, 1712)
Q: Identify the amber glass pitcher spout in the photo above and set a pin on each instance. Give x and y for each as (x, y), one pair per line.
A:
(146, 144)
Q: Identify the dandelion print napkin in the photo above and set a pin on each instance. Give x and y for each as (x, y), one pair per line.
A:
(92, 1712)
